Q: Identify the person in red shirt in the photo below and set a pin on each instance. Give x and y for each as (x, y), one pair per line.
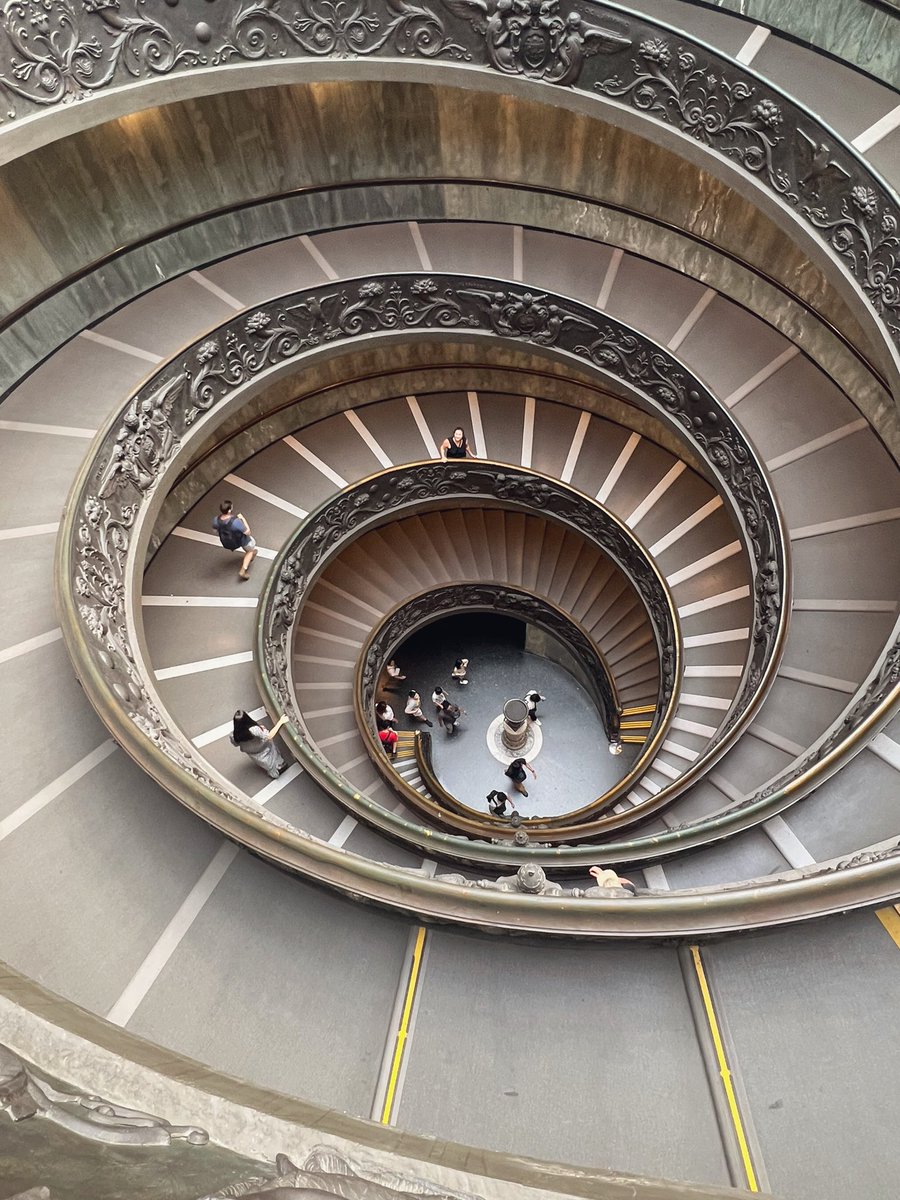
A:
(388, 739)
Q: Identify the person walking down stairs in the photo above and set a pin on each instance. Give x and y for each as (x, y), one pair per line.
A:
(234, 534)
(258, 743)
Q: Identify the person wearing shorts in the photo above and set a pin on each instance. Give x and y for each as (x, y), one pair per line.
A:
(234, 534)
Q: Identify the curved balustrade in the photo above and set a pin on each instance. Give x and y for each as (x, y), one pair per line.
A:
(420, 487)
(120, 489)
(108, 523)
(417, 612)
(417, 488)
(624, 60)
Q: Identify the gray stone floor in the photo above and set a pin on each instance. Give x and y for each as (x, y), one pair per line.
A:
(573, 766)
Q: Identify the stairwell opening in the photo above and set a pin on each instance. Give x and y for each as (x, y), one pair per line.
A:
(508, 658)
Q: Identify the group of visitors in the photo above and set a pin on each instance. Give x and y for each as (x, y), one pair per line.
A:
(386, 721)
(447, 714)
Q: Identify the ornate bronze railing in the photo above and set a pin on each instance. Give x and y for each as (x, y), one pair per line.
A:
(101, 549)
(418, 487)
(622, 59)
(117, 496)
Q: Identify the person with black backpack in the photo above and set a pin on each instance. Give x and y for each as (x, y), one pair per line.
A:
(234, 534)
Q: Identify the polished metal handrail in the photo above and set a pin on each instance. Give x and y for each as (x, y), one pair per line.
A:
(143, 446)
(107, 526)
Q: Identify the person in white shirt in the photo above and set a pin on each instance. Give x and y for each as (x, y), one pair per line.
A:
(394, 675)
(414, 708)
(384, 715)
(533, 699)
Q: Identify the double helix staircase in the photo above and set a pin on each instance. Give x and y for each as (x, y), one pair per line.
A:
(120, 900)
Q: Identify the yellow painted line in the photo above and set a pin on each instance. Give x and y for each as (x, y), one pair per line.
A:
(403, 1030)
(890, 919)
(636, 724)
(634, 712)
(724, 1070)
(640, 740)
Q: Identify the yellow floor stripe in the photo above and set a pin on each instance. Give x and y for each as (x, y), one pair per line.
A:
(403, 1030)
(724, 1070)
(890, 919)
(643, 708)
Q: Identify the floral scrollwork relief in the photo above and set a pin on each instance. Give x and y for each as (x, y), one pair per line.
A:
(59, 53)
(337, 28)
(866, 233)
(532, 37)
(712, 104)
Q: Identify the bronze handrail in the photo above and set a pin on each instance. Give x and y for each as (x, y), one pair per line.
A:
(380, 646)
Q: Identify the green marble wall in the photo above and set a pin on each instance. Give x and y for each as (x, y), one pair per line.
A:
(863, 34)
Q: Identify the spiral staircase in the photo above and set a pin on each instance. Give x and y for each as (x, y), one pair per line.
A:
(260, 235)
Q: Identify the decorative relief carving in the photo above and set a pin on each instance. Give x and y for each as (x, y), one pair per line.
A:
(531, 38)
(865, 233)
(340, 28)
(24, 1094)
(711, 103)
(58, 51)
(775, 140)
(525, 315)
(326, 1173)
(531, 880)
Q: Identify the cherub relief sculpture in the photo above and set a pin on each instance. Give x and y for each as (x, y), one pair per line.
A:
(530, 37)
